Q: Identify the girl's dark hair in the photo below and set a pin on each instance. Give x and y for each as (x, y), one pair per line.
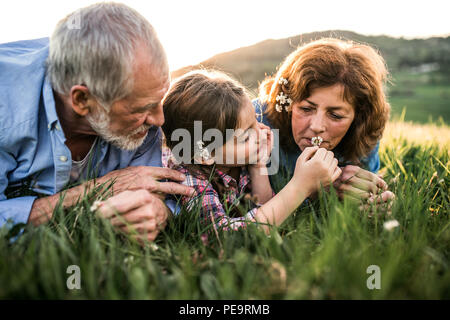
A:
(211, 97)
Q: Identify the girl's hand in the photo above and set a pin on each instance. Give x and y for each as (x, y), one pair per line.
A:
(265, 144)
(316, 167)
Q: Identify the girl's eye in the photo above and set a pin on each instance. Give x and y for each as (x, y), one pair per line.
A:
(306, 109)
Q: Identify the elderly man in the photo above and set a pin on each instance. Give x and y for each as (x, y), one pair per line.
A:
(84, 105)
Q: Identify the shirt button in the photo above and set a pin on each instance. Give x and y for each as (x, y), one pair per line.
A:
(57, 127)
(63, 158)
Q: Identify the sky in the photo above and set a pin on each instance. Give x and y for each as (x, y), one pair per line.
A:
(195, 30)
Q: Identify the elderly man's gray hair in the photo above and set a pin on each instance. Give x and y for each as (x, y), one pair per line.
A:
(99, 51)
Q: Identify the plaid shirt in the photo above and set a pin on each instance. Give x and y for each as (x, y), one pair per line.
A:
(212, 209)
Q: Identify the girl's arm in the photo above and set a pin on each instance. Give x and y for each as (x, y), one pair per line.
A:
(261, 188)
(279, 208)
(314, 168)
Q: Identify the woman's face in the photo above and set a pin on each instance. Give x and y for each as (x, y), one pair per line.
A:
(325, 113)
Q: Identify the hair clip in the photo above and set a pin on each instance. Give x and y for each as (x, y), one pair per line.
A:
(282, 81)
(284, 101)
(202, 152)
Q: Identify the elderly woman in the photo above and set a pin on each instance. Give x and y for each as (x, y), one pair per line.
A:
(330, 92)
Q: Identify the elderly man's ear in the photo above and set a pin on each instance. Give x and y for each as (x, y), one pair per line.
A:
(81, 99)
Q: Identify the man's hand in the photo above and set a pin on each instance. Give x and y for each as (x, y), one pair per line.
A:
(128, 179)
(143, 177)
(137, 213)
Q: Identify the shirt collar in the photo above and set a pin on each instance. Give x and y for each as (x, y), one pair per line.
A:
(49, 103)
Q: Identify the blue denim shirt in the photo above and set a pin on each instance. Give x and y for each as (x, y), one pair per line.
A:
(32, 147)
(288, 160)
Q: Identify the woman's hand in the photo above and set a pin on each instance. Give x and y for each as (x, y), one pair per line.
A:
(361, 184)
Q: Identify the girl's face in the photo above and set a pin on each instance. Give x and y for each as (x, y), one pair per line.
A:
(326, 114)
(243, 147)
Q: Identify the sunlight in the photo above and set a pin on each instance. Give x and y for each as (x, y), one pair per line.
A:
(192, 31)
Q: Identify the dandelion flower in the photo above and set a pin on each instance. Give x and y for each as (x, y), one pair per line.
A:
(316, 141)
(128, 259)
(282, 81)
(390, 225)
(281, 97)
(95, 205)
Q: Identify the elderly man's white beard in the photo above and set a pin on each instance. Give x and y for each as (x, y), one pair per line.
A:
(100, 123)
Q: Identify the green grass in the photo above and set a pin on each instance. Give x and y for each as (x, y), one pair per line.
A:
(321, 252)
(426, 96)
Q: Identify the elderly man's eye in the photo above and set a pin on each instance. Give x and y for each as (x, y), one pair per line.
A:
(146, 108)
(139, 111)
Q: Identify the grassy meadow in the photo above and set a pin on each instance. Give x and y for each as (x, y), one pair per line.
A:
(425, 96)
(321, 252)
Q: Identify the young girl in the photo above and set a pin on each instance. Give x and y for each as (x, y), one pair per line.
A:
(222, 177)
